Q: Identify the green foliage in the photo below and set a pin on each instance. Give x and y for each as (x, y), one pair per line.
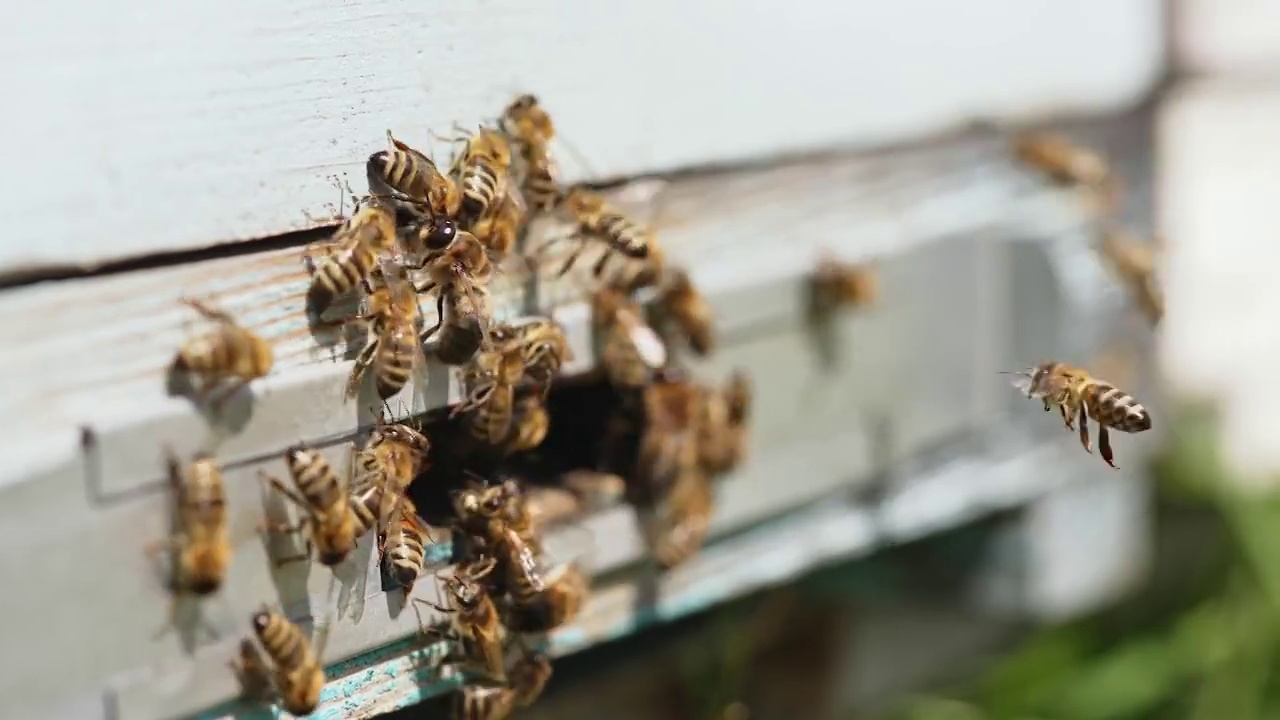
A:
(1201, 649)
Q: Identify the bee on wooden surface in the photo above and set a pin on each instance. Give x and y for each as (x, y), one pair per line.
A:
(531, 130)
(490, 700)
(492, 392)
(228, 353)
(683, 306)
(403, 172)
(1065, 163)
(499, 229)
(298, 675)
(201, 541)
(532, 422)
(596, 218)
(393, 456)
(459, 275)
(474, 617)
(669, 441)
(1135, 264)
(331, 522)
(545, 346)
(402, 545)
(393, 350)
(682, 519)
(482, 170)
(630, 349)
(541, 600)
(352, 255)
(841, 284)
(1079, 396)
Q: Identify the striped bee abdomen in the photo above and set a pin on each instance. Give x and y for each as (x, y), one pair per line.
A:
(1114, 408)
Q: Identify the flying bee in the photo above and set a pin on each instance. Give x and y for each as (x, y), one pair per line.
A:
(201, 538)
(403, 172)
(596, 218)
(630, 349)
(228, 353)
(474, 617)
(402, 545)
(682, 305)
(352, 254)
(1135, 264)
(499, 229)
(531, 130)
(330, 520)
(1065, 163)
(1080, 396)
(492, 392)
(393, 350)
(682, 519)
(459, 275)
(669, 441)
(297, 675)
(840, 284)
(532, 422)
(482, 170)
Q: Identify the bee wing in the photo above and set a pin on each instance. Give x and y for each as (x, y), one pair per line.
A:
(649, 345)
(1022, 382)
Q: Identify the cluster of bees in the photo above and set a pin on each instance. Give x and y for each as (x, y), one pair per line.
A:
(1078, 395)
(422, 231)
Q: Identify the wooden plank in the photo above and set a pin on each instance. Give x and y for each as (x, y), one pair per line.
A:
(153, 128)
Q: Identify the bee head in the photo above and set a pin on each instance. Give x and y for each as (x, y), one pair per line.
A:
(261, 620)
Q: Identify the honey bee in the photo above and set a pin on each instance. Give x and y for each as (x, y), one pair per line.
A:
(545, 346)
(298, 675)
(489, 700)
(541, 600)
(201, 540)
(840, 284)
(482, 169)
(393, 350)
(531, 130)
(722, 442)
(682, 520)
(532, 422)
(1135, 263)
(402, 545)
(1081, 396)
(630, 349)
(681, 304)
(507, 502)
(474, 616)
(498, 230)
(391, 459)
(463, 315)
(352, 255)
(1065, 163)
(596, 218)
(669, 441)
(330, 519)
(491, 397)
(229, 353)
(403, 172)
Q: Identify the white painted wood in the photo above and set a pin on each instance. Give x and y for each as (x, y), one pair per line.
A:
(149, 126)
(1219, 150)
(1227, 37)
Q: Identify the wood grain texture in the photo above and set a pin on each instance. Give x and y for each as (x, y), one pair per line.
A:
(150, 127)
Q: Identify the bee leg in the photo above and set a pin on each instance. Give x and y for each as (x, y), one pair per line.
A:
(207, 311)
(1084, 431)
(598, 269)
(1104, 446)
(439, 319)
(363, 360)
(573, 258)
(1066, 417)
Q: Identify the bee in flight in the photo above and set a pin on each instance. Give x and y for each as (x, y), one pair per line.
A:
(297, 673)
(1134, 262)
(228, 353)
(1079, 396)
(1067, 164)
